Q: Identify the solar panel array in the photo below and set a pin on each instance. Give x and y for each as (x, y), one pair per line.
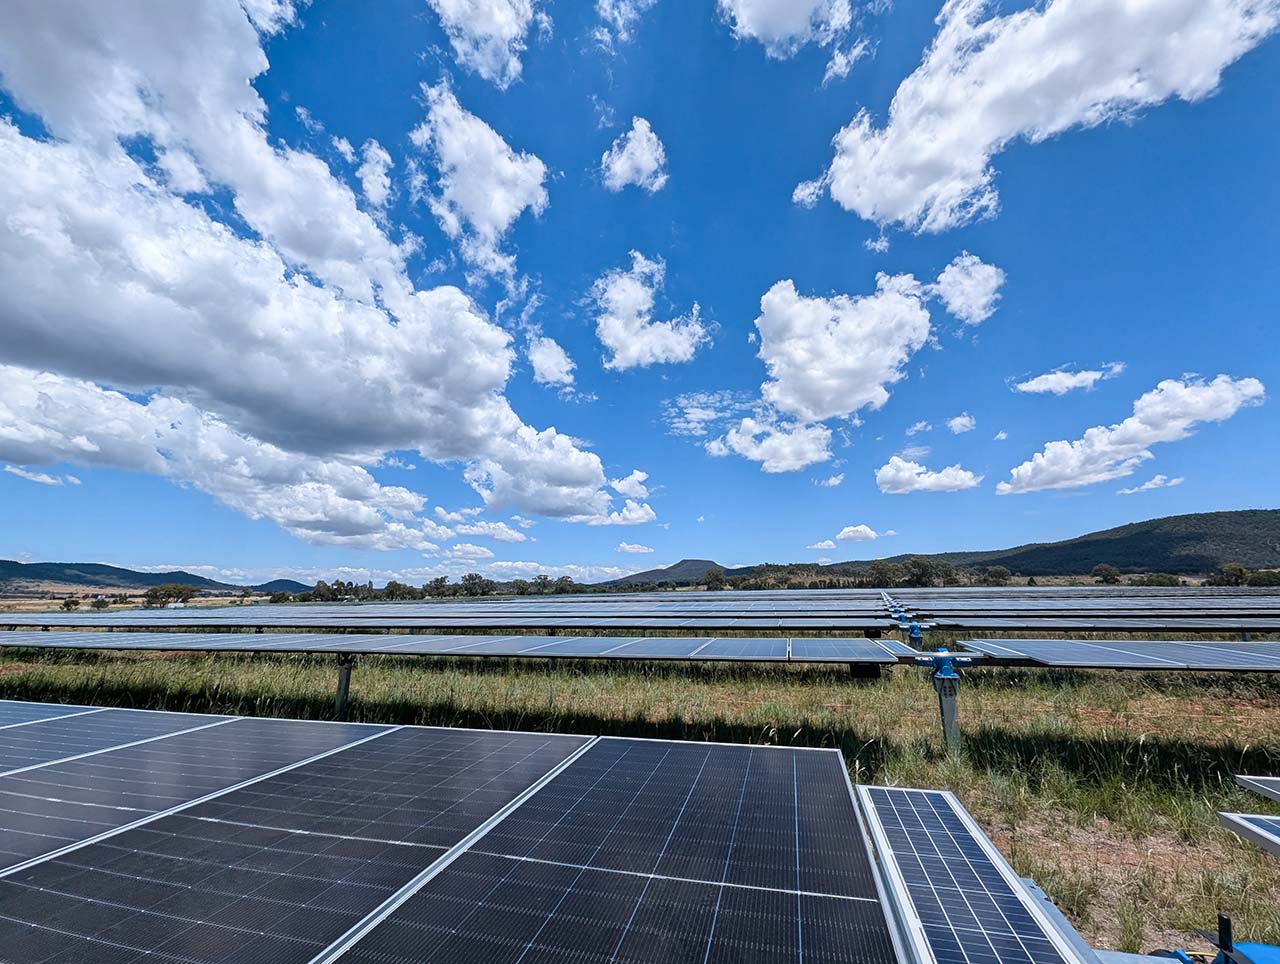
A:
(1153, 654)
(1193, 609)
(960, 901)
(243, 840)
(845, 650)
(1267, 786)
(1262, 829)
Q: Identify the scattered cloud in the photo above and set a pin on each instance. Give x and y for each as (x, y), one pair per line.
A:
(624, 301)
(498, 531)
(877, 245)
(832, 356)
(633, 548)
(551, 363)
(1167, 413)
(701, 413)
(636, 157)
(990, 80)
(824, 544)
(632, 513)
(618, 20)
(489, 36)
(482, 184)
(470, 551)
(1063, 380)
(785, 26)
(375, 183)
(830, 482)
(969, 288)
(1000, 436)
(858, 533)
(964, 422)
(1155, 482)
(41, 478)
(917, 427)
(899, 476)
(912, 452)
(778, 447)
(632, 486)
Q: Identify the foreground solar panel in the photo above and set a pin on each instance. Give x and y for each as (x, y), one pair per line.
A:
(1267, 786)
(959, 899)
(653, 851)
(420, 844)
(1134, 654)
(1261, 829)
(21, 714)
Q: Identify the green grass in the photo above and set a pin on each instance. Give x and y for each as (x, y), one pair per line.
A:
(1102, 786)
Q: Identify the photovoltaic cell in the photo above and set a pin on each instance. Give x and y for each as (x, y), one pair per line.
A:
(1261, 829)
(962, 901)
(657, 852)
(1133, 654)
(279, 869)
(1267, 786)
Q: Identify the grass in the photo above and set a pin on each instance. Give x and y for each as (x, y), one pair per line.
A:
(1102, 786)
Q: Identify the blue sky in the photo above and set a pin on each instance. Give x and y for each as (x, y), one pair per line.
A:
(274, 280)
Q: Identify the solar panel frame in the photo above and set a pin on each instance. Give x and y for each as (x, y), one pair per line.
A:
(841, 650)
(902, 901)
(1133, 654)
(1260, 828)
(1266, 786)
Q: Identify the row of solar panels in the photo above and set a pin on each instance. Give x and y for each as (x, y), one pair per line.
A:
(762, 649)
(163, 838)
(1262, 829)
(1136, 654)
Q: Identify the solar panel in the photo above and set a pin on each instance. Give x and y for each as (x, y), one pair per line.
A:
(278, 869)
(1133, 654)
(842, 651)
(655, 851)
(1262, 829)
(24, 714)
(1267, 786)
(68, 738)
(47, 808)
(959, 899)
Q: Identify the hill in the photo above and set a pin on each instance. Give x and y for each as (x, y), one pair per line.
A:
(101, 576)
(1181, 544)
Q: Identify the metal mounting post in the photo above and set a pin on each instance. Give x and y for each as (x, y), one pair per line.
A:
(946, 683)
(344, 686)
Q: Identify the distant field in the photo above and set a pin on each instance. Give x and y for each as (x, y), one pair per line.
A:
(1102, 786)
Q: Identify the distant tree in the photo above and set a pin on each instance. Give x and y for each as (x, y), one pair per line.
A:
(474, 584)
(1157, 579)
(920, 572)
(439, 586)
(1032, 581)
(1229, 574)
(399, 591)
(520, 587)
(245, 595)
(280, 597)
(714, 579)
(100, 603)
(70, 603)
(564, 584)
(169, 592)
(883, 575)
(1106, 574)
(996, 576)
(542, 583)
(1264, 577)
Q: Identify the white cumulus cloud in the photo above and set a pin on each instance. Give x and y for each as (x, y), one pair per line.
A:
(784, 26)
(778, 447)
(899, 476)
(831, 481)
(41, 478)
(372, 172)
(990, 80)
(964, 422)
(632, 547)
(624, 301)
(1167, 413)
(824, 544)
(970, 288)
(631, 486)
(618, 20)
(551, 363)
(488, 36)
(482, 184)
(636, 157)
(858, 533)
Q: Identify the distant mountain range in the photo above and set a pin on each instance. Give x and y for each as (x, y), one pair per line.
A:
(1179, 544)
(97, 575)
